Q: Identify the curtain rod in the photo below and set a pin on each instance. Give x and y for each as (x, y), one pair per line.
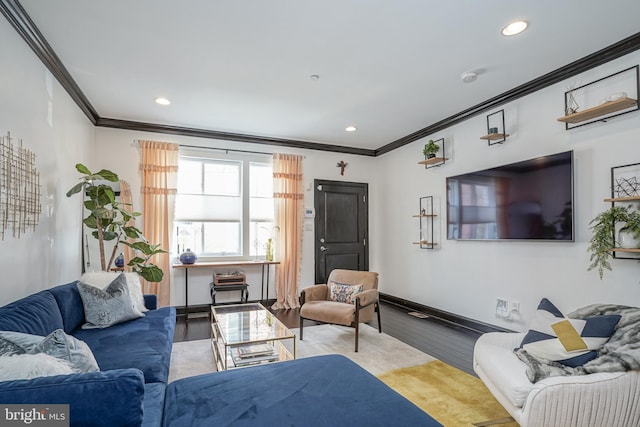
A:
(226, 150)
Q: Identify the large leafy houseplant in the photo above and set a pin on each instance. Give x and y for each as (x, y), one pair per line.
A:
(603, 239)
(111, 222)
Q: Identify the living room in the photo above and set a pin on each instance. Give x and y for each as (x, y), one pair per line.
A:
(463, 278)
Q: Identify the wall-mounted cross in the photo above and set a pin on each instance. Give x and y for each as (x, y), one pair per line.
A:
(342, 165)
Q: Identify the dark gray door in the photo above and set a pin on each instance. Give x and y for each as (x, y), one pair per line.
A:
(341, 227)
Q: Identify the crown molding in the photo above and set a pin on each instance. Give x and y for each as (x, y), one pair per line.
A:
(229, 136)
(614, 51)
(17, 16)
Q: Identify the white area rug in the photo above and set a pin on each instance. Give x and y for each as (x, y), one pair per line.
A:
(377, 353)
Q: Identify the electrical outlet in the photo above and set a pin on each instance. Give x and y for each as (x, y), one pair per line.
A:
(501, 308)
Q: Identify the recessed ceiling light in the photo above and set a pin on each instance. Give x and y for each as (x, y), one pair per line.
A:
(162, 100)
(514, 28)
(351, 128)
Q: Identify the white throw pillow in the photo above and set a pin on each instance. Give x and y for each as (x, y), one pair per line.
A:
(102, 279)
(27, 366)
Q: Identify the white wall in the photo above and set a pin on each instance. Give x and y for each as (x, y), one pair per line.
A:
(36, 109)
(466, 277)
(117, 151)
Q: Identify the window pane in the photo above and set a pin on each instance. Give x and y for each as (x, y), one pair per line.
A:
(222, 178)
(193, 207)
(261, 180)
(189, 176)
(189, 236)
(222, 238)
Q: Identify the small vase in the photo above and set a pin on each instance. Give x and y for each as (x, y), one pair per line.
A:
(269, 255)
(626, 240)
(119, 261)
(188, 257)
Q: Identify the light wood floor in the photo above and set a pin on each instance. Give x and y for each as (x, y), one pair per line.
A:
(450, 343)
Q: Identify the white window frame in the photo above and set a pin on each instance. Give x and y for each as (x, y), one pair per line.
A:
(246, 159)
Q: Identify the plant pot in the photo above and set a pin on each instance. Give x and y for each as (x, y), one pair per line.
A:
(430, 156)
(627, 240)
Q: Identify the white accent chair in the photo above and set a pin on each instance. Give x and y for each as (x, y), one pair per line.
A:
(610, 399)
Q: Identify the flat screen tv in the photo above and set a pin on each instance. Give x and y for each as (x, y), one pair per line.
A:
(528, 200)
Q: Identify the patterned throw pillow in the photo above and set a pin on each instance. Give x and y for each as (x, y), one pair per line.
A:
(28, 366)
(343, 292)
(104, 308)
(572, 342)
(56, 344)
(101, 279)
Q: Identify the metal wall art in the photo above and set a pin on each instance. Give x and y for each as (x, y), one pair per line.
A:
(19, 189)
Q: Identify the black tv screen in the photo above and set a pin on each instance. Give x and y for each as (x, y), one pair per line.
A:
(529, 200)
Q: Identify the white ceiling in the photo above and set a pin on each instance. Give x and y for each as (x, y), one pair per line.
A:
(389, 67)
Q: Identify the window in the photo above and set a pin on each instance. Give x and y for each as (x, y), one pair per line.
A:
(224, 207)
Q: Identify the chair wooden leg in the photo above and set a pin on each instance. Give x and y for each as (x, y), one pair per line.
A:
(357, 330)
(379, 323)
(301, 325)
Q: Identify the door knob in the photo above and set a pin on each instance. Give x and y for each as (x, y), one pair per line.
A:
(322, 248)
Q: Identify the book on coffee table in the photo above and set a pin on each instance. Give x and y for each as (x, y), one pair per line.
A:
(255, 350)
(254, 359)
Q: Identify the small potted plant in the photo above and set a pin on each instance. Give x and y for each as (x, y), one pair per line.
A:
(604, 231)
(430, 149)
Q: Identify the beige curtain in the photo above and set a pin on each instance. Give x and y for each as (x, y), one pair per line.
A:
(159, 168)
(288, 195)
(126, 199)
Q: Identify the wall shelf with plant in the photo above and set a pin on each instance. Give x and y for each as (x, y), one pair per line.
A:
(616, 231)
(430, 150)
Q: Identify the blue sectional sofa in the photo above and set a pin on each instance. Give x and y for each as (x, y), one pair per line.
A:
(133, 357)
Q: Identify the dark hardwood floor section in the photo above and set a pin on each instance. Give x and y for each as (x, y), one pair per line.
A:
(448, 342)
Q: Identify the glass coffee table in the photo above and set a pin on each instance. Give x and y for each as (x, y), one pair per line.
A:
(248, 334)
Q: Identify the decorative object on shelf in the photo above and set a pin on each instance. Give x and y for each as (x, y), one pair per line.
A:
(627, 187)
(426, 215)
(20, 206)
(430, 147)
(269, 255)
(496, 133)
(611, 105)
(603, 239)
(342, 165)
(111, 221)
(188, 257)
(571, 105)
(119, 261)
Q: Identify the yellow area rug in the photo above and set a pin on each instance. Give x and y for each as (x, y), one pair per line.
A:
(449, 395)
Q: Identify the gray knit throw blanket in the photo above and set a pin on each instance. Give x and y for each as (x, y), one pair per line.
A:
(620, 353)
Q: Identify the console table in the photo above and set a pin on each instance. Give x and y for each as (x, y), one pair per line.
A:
(265, 265)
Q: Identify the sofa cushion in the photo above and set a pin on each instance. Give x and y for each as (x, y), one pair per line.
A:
(109, 306)
(572, 342)
(105, 398)
(143, 343)
(153, 404)
(328, 312)
(37, 314)
(70, 305)
(507, 372)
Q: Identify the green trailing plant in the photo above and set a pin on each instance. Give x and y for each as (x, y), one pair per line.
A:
(430, 148)
(603, 238)
(111, 222)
